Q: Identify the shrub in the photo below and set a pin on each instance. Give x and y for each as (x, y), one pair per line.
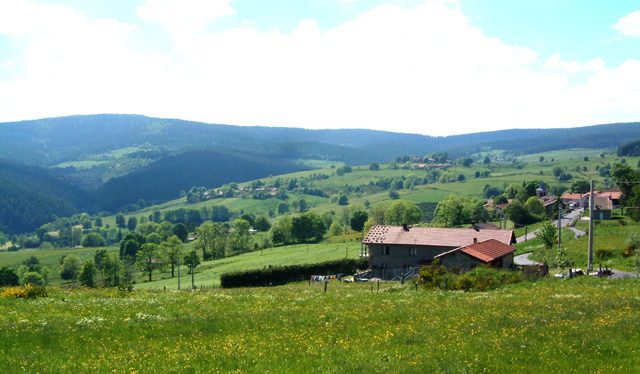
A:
(604, 254)
(484, 278)
(632, 244)
(29, 291)
(433, 275)
(279, 275)
(33, 278)
(8, 277)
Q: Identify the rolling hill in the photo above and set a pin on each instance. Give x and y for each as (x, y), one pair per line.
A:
(31, 196)
(47, 142)
(60, 166)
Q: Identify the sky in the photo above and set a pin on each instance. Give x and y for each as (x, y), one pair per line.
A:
(434, 67)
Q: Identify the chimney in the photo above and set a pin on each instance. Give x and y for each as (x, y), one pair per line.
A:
(475, 240)
(405, 227)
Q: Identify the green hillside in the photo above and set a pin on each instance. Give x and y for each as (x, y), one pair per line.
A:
(503, 172)
(208, 274)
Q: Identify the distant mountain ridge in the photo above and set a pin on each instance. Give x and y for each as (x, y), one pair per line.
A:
(46, 142)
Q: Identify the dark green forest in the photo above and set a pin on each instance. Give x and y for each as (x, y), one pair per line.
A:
(164, 179)
(31, 196)
(46, 142)
(630, 149)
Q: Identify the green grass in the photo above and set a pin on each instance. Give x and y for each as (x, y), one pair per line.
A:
(579, 325)
(48, 257)
(208, 274)
(502, 175)
(608, 235)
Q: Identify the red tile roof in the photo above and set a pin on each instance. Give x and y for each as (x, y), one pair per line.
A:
(613, 195)
(488, 250)
(431, 236)
(572, 196)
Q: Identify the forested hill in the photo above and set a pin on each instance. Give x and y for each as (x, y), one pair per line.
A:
(31, 196)
(47, 142)
(164, 179)
(630, 149)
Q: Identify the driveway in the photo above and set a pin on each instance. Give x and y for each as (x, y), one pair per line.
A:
(569, 219)
(524, 260)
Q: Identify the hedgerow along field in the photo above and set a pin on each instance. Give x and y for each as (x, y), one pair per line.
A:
(578, 325)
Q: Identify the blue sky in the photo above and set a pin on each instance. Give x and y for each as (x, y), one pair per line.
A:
(435, 67)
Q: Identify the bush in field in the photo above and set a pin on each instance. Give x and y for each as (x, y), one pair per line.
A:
(632, 245)
(481, 278)
(548, 234)
(93, 240)
(604, 254)
(8, 277)
(71, 266)
(88, 274)
(29, 291)
(484, 278)
(433, 275)
(33, 278)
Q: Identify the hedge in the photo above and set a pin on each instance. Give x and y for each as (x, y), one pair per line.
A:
(278, 275)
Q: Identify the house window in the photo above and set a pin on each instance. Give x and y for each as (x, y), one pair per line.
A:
(413, 251)
(385, 251)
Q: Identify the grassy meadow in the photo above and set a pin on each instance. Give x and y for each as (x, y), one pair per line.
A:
(579, 325)
(208, 274)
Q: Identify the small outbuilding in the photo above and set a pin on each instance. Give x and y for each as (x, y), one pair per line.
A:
(489, 252)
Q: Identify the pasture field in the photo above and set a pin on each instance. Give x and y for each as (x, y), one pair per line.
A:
(578, 325)
(502, 175)
(607, 235)
(208, 274)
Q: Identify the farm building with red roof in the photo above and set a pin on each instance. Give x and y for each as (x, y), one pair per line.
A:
(394, 249)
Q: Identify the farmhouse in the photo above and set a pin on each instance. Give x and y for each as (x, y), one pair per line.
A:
(394, 249)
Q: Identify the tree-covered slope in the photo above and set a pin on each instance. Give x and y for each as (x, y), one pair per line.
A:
(164, 179)
(31, 196)
(630, 149)
(50, 141)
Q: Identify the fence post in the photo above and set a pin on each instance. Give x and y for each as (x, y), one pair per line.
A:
(325, 286)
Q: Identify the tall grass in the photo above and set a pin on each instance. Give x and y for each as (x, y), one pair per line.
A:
(580, 325)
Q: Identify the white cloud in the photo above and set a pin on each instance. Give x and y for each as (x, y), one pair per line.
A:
(629, 25)
(185, 18)
(422, 69)
(555, 63)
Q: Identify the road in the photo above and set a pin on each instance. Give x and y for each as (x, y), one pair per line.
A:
(568, 219)
(524, 260)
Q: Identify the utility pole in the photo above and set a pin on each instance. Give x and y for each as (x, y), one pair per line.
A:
(559, 227)
(591, 203)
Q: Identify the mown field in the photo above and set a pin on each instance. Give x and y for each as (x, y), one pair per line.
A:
(208, 274)
(579, 325)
